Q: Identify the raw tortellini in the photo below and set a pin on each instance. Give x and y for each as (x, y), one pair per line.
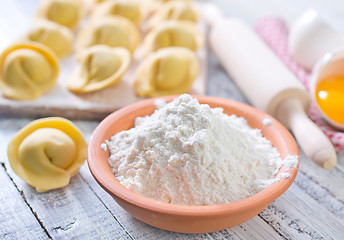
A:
(101, 66)
(55, 36)
(98, 1)
(27, 71)
(129, 9)
(153, 5)
(174, 10)
(168, 71)
(47, 153)
(64, 12)
(111, 31)
(173, 34)
(166, 1)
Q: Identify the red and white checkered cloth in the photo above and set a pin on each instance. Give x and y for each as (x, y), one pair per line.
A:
(274, 32)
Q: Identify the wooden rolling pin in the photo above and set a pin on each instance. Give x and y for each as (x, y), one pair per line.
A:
(267, 83)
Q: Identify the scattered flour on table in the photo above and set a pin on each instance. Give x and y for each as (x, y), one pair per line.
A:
(188, 153)
(267, 121)
(103, 146)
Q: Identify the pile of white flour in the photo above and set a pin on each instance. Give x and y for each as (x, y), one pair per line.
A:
(188, 153)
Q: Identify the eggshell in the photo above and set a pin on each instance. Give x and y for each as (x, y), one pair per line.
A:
(311, 37)
(331, 64)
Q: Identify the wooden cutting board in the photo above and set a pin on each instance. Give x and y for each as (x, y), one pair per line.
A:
(60, 102)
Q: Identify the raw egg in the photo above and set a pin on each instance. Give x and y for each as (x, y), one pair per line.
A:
(327, 87)
(329, 94)
(311, 37)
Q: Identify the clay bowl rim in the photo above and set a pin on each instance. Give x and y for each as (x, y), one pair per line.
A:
(110, 184)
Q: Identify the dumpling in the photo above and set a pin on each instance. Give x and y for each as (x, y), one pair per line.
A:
(129, 9)
(55, 36)
(47, 153)
(101, 66)
(168, 71)
(166, 1)
(98, 1)
(173, 34)
(65, 12)
(174, 10)
(27, 71)
(153, 5)
(111, 31)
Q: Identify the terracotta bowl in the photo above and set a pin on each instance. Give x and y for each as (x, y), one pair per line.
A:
(180, 218)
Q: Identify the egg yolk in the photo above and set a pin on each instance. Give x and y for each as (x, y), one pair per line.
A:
(330, 97)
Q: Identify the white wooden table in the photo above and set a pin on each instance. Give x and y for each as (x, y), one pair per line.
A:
(312, 208)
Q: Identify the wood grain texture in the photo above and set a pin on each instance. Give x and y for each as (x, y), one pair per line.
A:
(324, 187)
(71, 212)
(313, 208)
(67, 112)
(297, 217)
(17, 220)
(256, 228)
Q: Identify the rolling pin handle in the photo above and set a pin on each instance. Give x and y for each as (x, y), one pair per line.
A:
(212, 14)
(267, 83)
(316, 147)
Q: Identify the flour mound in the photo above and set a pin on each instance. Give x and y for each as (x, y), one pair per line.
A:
(188, 153)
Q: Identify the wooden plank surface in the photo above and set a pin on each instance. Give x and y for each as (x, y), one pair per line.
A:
(313, 208)
(71, 212)
(17, 220)
(256, 227)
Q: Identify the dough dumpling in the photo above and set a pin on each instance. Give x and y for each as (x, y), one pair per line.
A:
(101, 66)
(153, 6)
(27, 71)
(173, 34)
(98, 1)
(166, 1)
(65, 12)
(174, 10)
(129, 9)
(47, 153)
(110, 31)
(166, 72)
(55, 36)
